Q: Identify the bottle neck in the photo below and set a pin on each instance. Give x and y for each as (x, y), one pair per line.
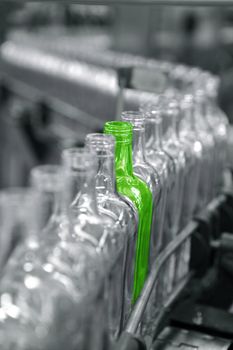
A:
(66, 195)
(122, 131)
(139, 144)
(105, 178)
(123, 158)
(200, 114)
(173, 126)
(189, 119)
(154, 133)
(84, 184)
(176, 127)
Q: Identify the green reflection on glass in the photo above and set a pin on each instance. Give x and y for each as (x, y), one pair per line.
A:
(137, 191)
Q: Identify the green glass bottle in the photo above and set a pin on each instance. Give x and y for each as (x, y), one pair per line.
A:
(137, 191)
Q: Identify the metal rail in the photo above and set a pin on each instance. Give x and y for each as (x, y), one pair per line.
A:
(140, 306)
(34, 95)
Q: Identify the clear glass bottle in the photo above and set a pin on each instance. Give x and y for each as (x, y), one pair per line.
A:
(47, 286)
(46, 184)
(108, 198)
(137, 191)
(98, 228)
(189, 138)
(172, 145)
(45, 302)
(15, 223)
(206, 137)
(165, 166)
(46, 181)
(219, 123)
(192, 148)
(146, 172)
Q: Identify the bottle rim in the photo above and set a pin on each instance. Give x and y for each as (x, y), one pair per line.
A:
(102, 144)
(136, 118)
(79, 158)
(187, 101)
(46, 177)
(100, 139)
(122, 130)
(18, 198)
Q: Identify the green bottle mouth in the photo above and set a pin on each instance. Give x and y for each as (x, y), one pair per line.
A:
(123, 131)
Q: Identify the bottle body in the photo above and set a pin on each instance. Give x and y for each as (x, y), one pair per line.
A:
(206, 138)
(164, 165)
(100, 230)
(144, 170)
(136, 190)
(194, 150)
(218, 123)
(125, 214)
(139, 194)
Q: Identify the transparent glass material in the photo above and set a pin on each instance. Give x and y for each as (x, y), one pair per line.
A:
(15, 223)
(206, 185)
(173, 146)
(194, 150)
(45, 302)
(108, 199)
(50, 285)
(46, 184)
(97, 227)
(137, 191)
(46, 181)
(176, 149)
(165, 168)
(146, 172)
(219, 123)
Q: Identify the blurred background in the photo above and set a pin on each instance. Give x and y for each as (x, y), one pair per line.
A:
(67, 68)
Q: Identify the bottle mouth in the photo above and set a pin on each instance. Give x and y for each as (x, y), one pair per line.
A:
(173, 107)
(46, 178)
(121, 130)
(187, 101)
(152, 112)
(79, 159)
(18, 199)
(200, 95)
(102, 144)
(16, 194)
(137, 119)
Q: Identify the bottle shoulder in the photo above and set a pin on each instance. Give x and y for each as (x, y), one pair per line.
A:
(136, 189)
(158, 158)
(122, 211)
(147, 173)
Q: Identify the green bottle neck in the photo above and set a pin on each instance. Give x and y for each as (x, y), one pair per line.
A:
(123, 159)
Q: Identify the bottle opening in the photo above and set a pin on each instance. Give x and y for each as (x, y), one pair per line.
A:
(187, 101)
(137, 119)
(121, 130)
(172, 107)
(46, 177)
(152, 113)
(102, 144)
(79, 159)
(16, 195)
(199, 95)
